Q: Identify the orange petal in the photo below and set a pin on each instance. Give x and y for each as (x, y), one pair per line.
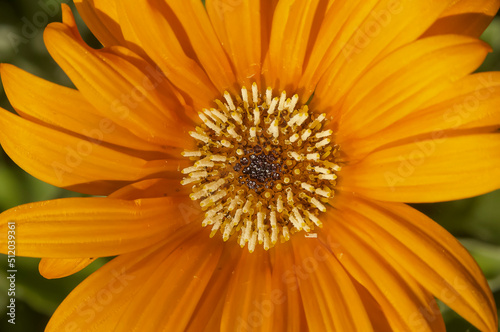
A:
(98, 303)
(105, 21)
(102, 19)
(402, 303)
(53, 268)
(465, 17)
(152, 188)
(172, 292)
(368, 38)
(194, 18)
(288, 308)
(427, 252)
(238, 26)
(472, 102)
(92, 227)
(430, 170)
(134, 96)
(150, 21)
(331, 302)
(73, 162)
(40, 106)
(268, 8)
(404, 80)
(373, 309)
(292, 23)
(208, 313)
(248, 304)
(341, 20)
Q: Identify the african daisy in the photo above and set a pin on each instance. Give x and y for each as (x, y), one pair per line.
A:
(253, 160)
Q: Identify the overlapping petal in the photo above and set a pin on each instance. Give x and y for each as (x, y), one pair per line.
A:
(329, 306)
(194, 19)
(412, 243)
(152, 188)
(406, 306)
(102, 19)
(341, 20)
(373, 309)
(404, 80)
(431, 169)
(99, 301)
(179, 281)
(52, 268)
(92, 227)
(208, 313)
(467, 17)
(379, 29)
(75, 162)
(40, 106)
(238, 27)
(285, 295)
(150, 22)
(471, 103)
(268, 7)
(290, 35)
(248, 303)
(128, 91)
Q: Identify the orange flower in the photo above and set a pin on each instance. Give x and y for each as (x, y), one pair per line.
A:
(296, 129)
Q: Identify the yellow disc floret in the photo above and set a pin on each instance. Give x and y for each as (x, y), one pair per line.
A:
(264, 168)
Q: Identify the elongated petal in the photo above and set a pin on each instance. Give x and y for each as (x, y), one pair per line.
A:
(107, 23)
(285, 295)
(467, 17)
(268, 7)
(102, 19)
(401, 302)
(248, 304)
(430, 170)
(92, 227)
(373, 309)
(341, 20)
(473, 102)
(99, 301)
(70, 161)
(427, 252)
(152, 188)
(39, 105)
(52, 268)
(290, 35)
(384, 28)
(194, 19)
(238, 26)
(179, 282)
(124, 91)
(149, 20)
(331, 302)
(406, 79)
(208, 313)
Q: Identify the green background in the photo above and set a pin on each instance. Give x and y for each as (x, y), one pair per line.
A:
(475, 221)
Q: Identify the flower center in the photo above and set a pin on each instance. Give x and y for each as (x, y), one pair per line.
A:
(263, 169)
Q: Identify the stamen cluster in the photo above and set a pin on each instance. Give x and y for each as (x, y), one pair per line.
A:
(264, 168)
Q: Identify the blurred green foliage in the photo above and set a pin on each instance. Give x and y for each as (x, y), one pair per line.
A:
(475, 221)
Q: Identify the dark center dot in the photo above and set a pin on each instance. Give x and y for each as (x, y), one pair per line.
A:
(258, 168)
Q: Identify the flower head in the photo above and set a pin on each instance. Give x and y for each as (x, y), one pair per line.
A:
(296, 130)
